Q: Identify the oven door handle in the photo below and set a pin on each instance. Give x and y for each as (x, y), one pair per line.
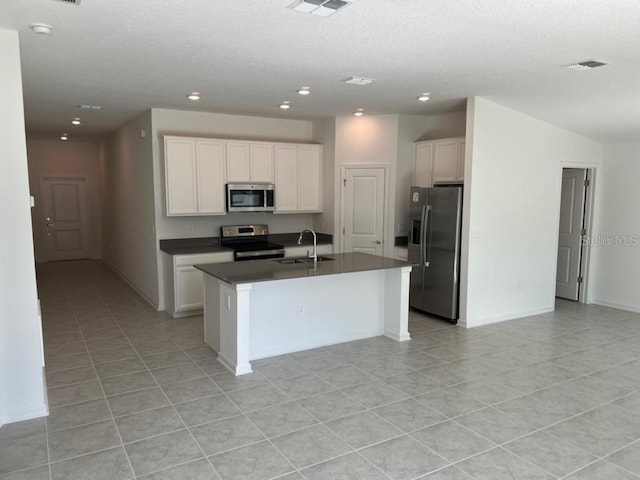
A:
(259, 253)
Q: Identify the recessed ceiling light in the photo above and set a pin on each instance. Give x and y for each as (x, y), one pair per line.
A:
(285, 105)
(194, 96)
(64, 137)
(359, 112)
(304, 91)
(75, 121)
(425, 97)
(41, 28)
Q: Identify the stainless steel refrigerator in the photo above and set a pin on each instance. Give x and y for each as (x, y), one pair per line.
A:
(434, 249)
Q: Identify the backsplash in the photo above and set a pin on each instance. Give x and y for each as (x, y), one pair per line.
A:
(209, 226)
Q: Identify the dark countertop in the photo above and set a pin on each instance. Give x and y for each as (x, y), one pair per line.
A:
(267, 270)
(186, 246)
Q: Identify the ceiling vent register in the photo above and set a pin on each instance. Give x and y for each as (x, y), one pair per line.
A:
(323, 8)
(72, 2)
(586, 65)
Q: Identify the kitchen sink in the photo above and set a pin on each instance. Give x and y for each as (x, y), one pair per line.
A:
(291, 261)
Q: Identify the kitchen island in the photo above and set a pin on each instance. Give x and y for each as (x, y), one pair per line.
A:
(264, 308)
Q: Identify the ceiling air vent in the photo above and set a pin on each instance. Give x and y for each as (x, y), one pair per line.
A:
(323, 8)
(72, 2)
(585, 65)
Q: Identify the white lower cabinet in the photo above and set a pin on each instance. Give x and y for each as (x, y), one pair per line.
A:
(183, 285)
(305, 250)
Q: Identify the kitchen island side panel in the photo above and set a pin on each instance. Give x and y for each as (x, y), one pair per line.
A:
(299, 314)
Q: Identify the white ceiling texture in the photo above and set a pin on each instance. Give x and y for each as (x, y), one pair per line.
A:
(247, 56)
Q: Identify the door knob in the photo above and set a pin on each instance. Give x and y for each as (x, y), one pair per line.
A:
(49, 224)
(378, 242)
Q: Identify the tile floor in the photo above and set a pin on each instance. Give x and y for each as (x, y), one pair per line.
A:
(135, 394)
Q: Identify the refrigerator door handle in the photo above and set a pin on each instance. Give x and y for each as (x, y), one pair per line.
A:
(426, 245)
(421, 239)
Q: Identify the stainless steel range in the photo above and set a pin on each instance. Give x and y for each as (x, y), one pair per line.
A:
(249, 242)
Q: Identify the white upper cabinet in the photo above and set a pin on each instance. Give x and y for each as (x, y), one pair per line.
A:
(445, 161)
(298, 178)
(210, 177)
(461, 157)
(261, 162)
(439, 161)
(250, 162)
(197, 169)
(238, 169)
(194, 176)
(424, 165)
(309, 178)
(286, 165)
(180, 176)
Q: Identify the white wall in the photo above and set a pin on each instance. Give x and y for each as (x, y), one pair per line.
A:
(128, 210)
(73, 158)
(512, 203)
(616, 235)
(22, 390)
(216, 125)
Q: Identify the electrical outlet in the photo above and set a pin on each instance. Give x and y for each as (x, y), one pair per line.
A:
(300, 308)
(190, 228)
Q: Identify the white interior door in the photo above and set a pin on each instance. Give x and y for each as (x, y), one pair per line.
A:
(65, 218)
(363, 210)
(570, 233)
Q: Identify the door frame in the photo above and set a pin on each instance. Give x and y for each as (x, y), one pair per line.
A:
(584, 290)
(41, 212)
(387, 242)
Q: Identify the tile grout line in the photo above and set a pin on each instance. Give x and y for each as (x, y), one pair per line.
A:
(148, 370)
(113, 420)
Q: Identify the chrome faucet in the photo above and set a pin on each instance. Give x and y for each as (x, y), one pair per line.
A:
(315, 245)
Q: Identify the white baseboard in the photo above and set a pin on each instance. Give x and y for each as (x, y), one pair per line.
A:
(619, 306)
(505, 317)
(131, 284)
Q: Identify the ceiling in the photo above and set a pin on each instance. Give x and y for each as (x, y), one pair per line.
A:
(247, 56)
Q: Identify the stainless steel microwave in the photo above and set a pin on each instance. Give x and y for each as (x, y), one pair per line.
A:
(254, 197)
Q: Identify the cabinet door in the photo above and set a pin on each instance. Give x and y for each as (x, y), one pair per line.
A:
(261, 162)
(238, 166)
(189, 288)
(286, 178)
(424, 165)
(180, 176)
(461, 153)
(445, 161)
(309, 178)
(210, 176)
